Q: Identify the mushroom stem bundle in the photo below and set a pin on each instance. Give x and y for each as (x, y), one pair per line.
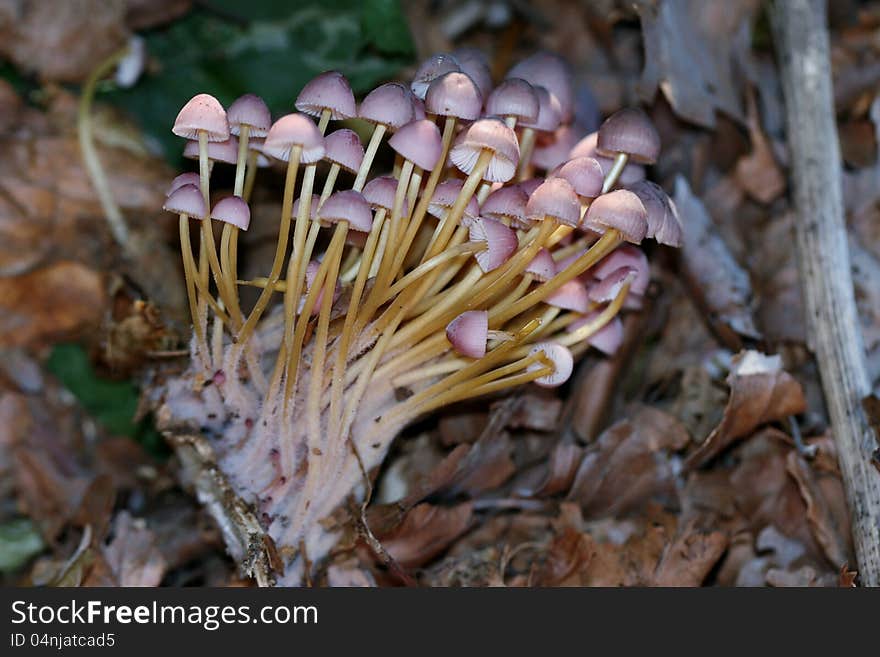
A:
(451, 279)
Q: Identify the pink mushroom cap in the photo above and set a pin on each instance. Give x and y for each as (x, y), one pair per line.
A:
(202, 113)
(388, 105)
(607, 339)
(548, 112)
(570, 296)
(294, 130)
(552, 150)
(552, 72)
(444, 198)
(542, 267)
(625, 255)
(454, 94)
(489, 134)
(585, 175)
(607, 289)
(475, 63)
(419, 142)
(314, 202)
(186, 199)
(188, 178)
(350, 206)
(218, 151)
(431, 69)
(380, 193)
(508, 202)
(468, 333)
(344, 148)
(501, 242)
(514, 97)
(629, 131)
(232, 210)
(561, 359)
(252, 111)
(556, 199)
(328, 91)
(586, 147)
(664, 224)
(621, 210)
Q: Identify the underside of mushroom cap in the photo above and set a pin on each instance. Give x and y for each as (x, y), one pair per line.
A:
(294, 130)
(561, 359)
(328, 91)
(487, 134)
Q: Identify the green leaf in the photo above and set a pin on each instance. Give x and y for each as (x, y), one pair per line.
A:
(385, 27)
(19, 542)
(264, 47)
(112, 403)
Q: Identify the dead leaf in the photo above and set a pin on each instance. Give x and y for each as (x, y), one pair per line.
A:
(61, 41)
(131, 558)
(690, 557)
(760, 392)
(698, 74)
(819, 514)
(629, 462)
(568, 555)
(758, 173)
(425, 532)
(721, 283)
(50, 304)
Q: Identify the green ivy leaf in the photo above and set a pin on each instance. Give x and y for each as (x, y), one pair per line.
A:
(386, 28)
(112, 403)
(269, 48)
(19, 542)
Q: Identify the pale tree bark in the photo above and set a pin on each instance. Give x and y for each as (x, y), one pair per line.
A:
(801, 38)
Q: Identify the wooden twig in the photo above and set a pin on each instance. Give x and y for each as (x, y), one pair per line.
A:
(801, 38)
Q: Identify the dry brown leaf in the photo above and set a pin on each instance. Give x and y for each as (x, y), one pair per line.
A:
(629, 462)
(131, 558)
(50, 304)
(566, 558)
(558, 475)
(722, 285)
(698, 74)
(425, 532)
(819, 514)
(61, 41)
(758, 173)
(690, 557)
(760, 392)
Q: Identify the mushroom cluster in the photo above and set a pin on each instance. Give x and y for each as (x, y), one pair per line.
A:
(502, 245)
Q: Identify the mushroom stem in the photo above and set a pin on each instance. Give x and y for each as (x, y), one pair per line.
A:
(345, 336)
(189, 273)
(330, 182)
(465, 249)
(421, 209)
(313, 403)
(324, 120)
(369, 155)
(280, 249)
(620, 161)
(526, 146)
(250, 176)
